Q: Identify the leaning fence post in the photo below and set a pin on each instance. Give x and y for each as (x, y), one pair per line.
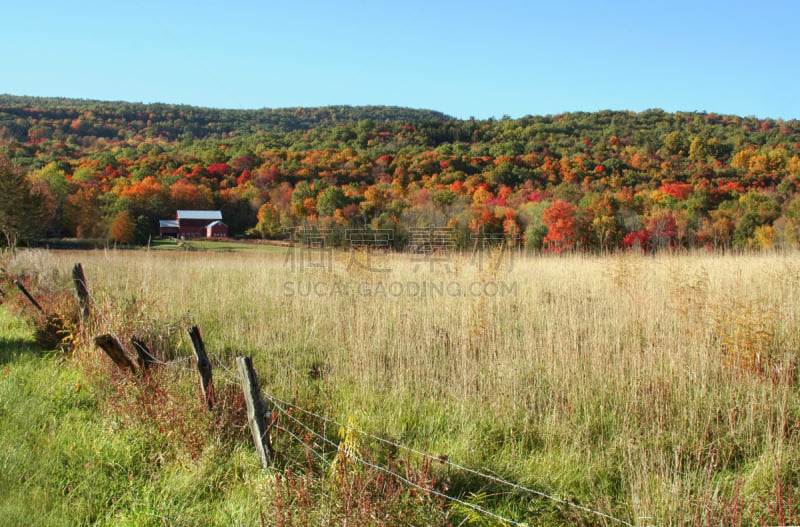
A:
(113, 349)
(257, 410)
(82, 292)
(203, 365)
(28, 296)
(144, 356)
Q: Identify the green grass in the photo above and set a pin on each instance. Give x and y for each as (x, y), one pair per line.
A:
(16, 338)
(164, 244)
(86, 444)
(65, 460)
(658, 390)
(222, 246)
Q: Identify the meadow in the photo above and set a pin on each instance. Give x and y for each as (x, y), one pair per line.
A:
(633, 389)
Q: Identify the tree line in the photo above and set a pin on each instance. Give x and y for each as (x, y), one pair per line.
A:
(596, 181)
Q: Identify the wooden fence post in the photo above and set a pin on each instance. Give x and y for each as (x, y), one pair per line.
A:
(203, 366)
(81, 290)
(144, 356)
(28, 296)
(113, 348)
(257, 410)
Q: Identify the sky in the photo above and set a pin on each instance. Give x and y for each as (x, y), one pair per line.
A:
(489, 58)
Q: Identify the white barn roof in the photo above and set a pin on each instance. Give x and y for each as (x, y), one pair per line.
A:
(210, 225)
(199, 215)
(168, 223)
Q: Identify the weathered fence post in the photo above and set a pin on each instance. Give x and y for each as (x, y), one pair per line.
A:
(113, 349)
(28, 296)
(81, 291)
(144, 357)
(257, 410)
(203, 366)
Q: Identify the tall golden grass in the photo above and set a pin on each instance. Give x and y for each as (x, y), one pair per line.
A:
(661, 389)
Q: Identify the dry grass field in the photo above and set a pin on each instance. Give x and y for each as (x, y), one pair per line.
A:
(659, 390)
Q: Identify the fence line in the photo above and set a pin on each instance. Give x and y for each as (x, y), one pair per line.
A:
(299, 440)
(350, 454)
(447, 462)
(364, 462)
(230, 377)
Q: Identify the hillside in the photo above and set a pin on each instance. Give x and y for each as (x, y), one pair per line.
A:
(576, 181)
(120, 119)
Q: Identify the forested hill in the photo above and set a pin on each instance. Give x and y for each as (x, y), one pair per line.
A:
(117, 120)
(576, 181)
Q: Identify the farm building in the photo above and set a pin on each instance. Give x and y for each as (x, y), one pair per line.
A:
(168, 228)
(216, 230)
(194, 224)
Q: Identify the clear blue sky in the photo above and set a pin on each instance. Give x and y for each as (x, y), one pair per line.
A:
(466, 58)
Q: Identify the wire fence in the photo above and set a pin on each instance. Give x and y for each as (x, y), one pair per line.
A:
(227, 376)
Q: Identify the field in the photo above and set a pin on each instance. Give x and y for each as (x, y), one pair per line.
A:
(616, 390)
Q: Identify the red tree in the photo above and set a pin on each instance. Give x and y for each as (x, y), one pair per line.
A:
(636, 240)
(563, 227)
(662, 229)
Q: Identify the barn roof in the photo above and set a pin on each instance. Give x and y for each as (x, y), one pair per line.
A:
(168, 223)
(199, 215)
(214, 224)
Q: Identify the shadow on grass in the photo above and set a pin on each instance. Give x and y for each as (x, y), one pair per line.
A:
(13, 348)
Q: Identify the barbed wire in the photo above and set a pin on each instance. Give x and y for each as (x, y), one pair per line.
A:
(352, 455)
(222, 365)
(299, 440)
(156, 360)
(447, 462)
(230, 377)
(364, 462)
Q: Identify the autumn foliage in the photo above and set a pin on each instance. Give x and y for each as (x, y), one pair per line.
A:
(122, 227)
(563, 228)
(571, 182)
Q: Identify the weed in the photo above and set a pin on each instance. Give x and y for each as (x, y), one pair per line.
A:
(745, 333)
(735, 508)
(55, 323)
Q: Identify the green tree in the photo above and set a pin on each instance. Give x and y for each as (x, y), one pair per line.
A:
(444, 198)
(24, 207)
(535, 229)
(55, 179)
(329, 200)
(745, 230)
(700, 149)
(675, 144)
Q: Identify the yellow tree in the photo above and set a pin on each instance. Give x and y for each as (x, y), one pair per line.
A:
(764, 237)
(269, 224)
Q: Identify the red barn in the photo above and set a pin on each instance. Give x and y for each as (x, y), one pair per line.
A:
(193, 223)
(168, 228)
(216, 230)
